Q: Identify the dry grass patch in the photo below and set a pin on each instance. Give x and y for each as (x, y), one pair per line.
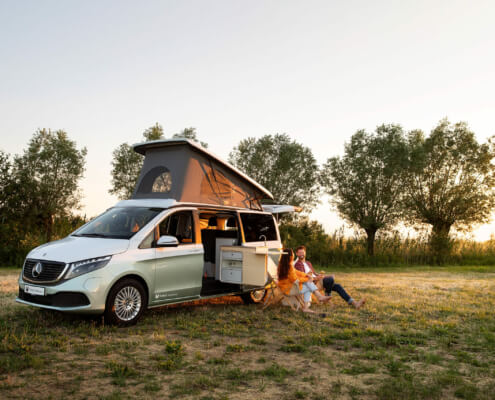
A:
(423, 334)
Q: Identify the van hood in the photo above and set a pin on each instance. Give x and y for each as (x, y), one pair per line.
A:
(72, 248)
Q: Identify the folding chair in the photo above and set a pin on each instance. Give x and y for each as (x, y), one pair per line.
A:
(275, 296)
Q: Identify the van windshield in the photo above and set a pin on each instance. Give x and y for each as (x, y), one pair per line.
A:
(119, 222)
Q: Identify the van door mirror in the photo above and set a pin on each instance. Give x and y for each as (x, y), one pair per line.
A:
(167, 241)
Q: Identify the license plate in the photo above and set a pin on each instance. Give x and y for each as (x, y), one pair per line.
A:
(35, 290)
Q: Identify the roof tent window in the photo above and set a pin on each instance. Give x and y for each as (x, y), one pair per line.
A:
(157, 180)
(162, 183)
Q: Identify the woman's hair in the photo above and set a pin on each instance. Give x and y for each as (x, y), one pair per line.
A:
(285, 263)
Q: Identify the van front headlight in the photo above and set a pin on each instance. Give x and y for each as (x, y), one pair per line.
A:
(84, 266)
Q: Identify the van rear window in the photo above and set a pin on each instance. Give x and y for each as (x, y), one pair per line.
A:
(257, 227)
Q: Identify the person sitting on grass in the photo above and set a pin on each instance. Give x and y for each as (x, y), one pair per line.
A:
(287, 275)
(328, 281)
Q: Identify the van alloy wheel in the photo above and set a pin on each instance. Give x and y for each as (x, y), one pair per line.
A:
(127, 303)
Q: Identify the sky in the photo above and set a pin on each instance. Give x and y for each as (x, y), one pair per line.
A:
(104, 71)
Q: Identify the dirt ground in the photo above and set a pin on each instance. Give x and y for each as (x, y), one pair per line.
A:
(422, 334)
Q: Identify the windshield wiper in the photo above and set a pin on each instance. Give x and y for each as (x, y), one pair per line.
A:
(101, 235)
(91, 235)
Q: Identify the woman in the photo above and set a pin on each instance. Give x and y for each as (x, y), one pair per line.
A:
(287, 275)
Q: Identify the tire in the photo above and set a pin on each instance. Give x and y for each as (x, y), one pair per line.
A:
(126, 302)
(254, 297)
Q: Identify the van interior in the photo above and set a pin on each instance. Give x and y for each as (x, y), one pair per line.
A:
(218, 228)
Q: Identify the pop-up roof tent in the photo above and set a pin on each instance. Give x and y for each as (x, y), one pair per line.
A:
(183, 170)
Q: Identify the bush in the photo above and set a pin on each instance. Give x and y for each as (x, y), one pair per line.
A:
(17, 242)
(391, 249)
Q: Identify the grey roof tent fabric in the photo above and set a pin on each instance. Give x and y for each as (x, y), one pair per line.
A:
(183, 170)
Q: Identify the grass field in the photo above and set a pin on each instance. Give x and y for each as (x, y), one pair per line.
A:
(425, 333)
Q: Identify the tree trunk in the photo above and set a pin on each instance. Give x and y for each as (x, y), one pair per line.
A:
(371, 233)
(440, 241)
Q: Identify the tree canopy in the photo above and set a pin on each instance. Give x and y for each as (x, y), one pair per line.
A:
(39, 192)
(366, 183)
(45, 179)
(5, 176)
(450, 180)
(285, 167)
(189, 133)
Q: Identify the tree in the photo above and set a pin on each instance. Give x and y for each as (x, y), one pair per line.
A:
(189, 133)
(311, 234)
(5, 176)
(366, 183)
(286, 168)
(450, 181)
(8, 236)
(45, 181)
(127, 164)
(154, 132)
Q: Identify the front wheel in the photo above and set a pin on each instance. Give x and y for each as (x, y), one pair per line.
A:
(254, 297)
(126, 302)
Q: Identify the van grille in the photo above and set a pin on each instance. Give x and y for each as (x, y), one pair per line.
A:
(61, 299)
(51, 271)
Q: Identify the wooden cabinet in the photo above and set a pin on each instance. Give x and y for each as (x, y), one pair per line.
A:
(244, 265)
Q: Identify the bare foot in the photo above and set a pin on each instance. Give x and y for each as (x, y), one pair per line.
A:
(359, 304)
(324, 299)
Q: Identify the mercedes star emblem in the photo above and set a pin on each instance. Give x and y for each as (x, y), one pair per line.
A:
(38, 268)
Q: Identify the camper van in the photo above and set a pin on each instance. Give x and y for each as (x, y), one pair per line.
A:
(194, 228)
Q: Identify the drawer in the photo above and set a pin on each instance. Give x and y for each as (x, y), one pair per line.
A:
(231, 264)
(233, 275)
(232, 255)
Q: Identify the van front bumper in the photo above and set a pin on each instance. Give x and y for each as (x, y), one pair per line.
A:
(60, 300)
(83, 295)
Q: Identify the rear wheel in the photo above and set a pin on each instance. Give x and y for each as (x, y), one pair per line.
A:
(126, 302)
(254, 297)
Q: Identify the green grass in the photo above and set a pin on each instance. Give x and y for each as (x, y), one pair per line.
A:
(425, 333)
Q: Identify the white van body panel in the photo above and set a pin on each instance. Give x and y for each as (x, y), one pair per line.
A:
(72, 248)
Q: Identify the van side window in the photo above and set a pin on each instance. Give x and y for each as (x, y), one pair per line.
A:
(147, 243)
(180, 225)
(257, 227)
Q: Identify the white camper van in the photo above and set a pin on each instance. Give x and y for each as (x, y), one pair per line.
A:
(193, 229)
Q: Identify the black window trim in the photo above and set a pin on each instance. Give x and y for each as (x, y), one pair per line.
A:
(156, 229)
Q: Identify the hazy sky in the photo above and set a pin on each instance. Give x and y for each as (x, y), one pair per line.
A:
(104, 71)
